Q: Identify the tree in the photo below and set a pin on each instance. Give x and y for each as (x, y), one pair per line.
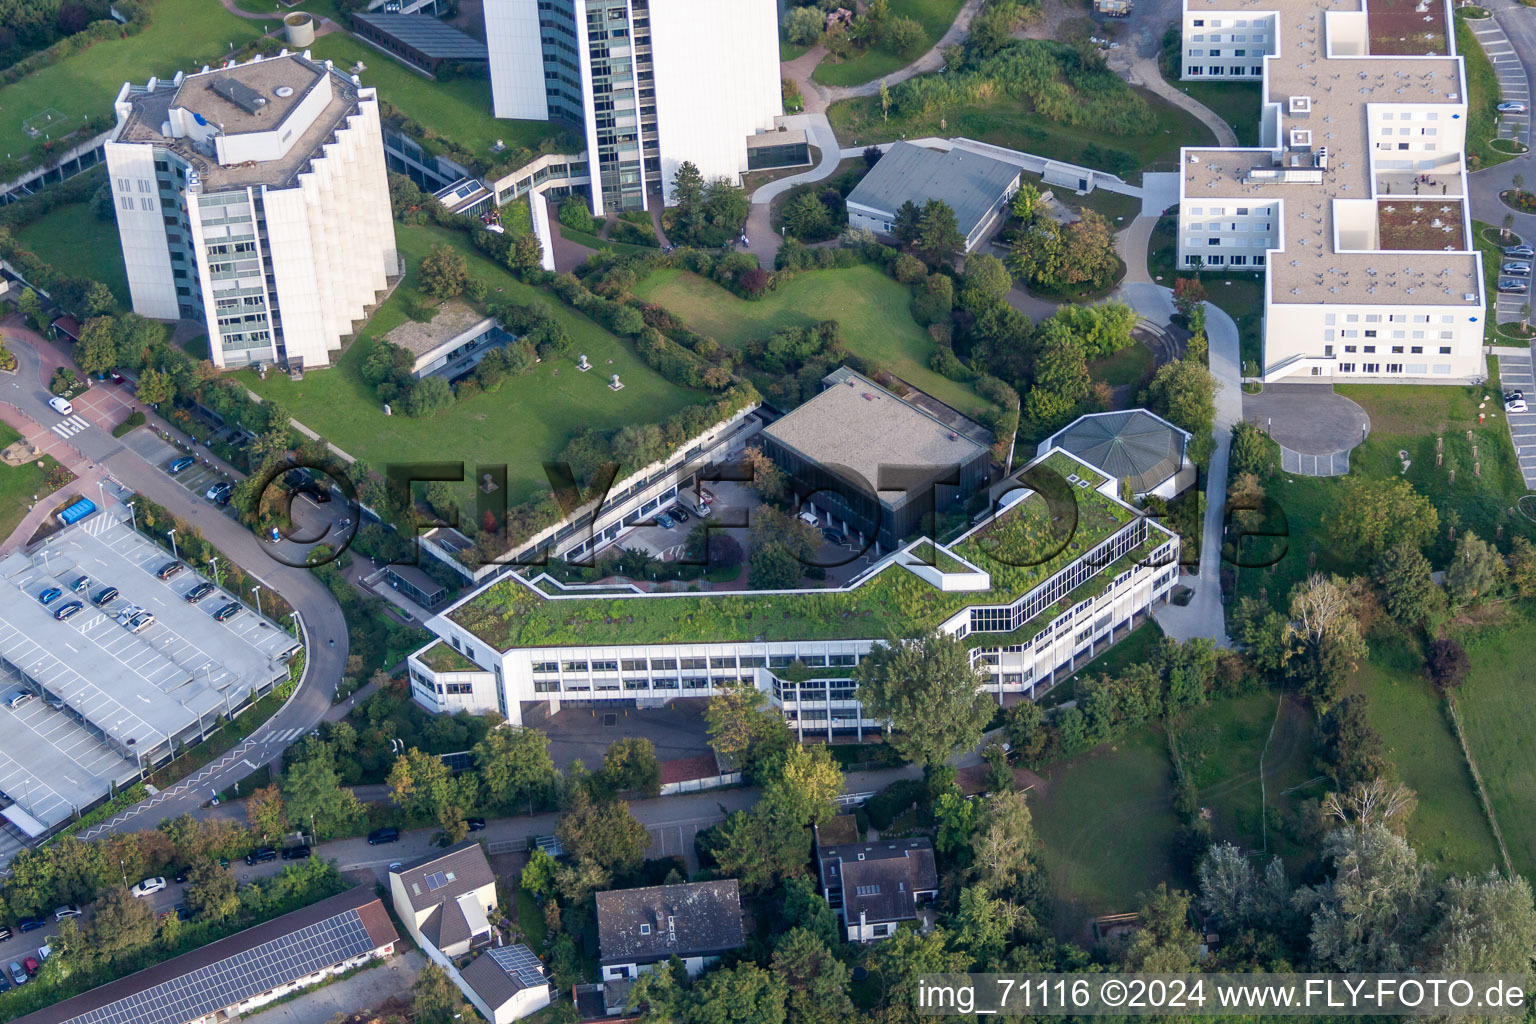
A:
(1477, 571)
(630, 765)
(1184, 392)
(1447, 663)
(1408, 589)
(1484, 924)
(515, 765)
(1188, 294)
(938, 233)
(1050, 256)
(773, 567)
(906, 223)
(265, 813)
(982, 925)
(96, 351)
(1349, 748)
(314, 795)
(605, 834)
(1367, 916)
(744, 994)
(765, 476)
(744, 731)
(1252, 451)
(428, 397)
(808, 218)
(1323, 624)
(1025, 202)
(801, 905)
(443, 272)
(1522, 567)
(422, 786)
(210, 892)
(1163, 941)
(885, 107)
(576, 214)
(1376, 514)
(903, 36)
(803, 784)
(802, 25)
(121, 924)
(436, 999)
(687, 185)
(926, 689)
(1005, 840)
(817, 981)
(525, 254)
(539, 874)
(985, 275)
(98, 300)
(954, 818)
(1060, 377)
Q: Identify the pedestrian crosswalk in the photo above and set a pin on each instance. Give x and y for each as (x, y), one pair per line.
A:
(285, 737)
(70, 426)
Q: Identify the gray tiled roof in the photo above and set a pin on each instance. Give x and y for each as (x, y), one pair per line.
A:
(970, 183)
(1134, 445)
(499, 974)
(427, 882)
(633, 924)
(881, 880)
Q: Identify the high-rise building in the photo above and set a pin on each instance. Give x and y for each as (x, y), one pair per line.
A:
(255, 198)
(652, 83)
(1354, 204)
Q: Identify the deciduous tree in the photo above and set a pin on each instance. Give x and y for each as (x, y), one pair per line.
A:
(443, 272)
(929, 693)
(605, 834)
(1376, 514)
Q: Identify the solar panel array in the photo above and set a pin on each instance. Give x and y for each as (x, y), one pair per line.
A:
(241, 976)
(462, 761)
(520, 963)
(436, 880)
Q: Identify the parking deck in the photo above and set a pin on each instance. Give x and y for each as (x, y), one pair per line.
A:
(108, 697)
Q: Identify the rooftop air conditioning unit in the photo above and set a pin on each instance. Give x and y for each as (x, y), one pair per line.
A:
(1300, 106)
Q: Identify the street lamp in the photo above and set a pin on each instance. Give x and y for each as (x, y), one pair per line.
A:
(214, 561)
(172, 534)
(133, 519)
(294, 615)
(256, 590)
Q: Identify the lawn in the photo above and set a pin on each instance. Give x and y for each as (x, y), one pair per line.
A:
(459, 110)
(1482, 97)
(1106, 825)
(1001, 122)
(1448, 826)
(935, 16)
(17, 485)
(74, 242)
(1127, 366)
(528, 420)
(870, 308)
(1498, 712)
(183, 35)
(1236, 103)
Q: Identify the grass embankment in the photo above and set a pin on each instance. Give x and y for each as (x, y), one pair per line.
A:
(76, 244)
(935, 17)
(1482, 99)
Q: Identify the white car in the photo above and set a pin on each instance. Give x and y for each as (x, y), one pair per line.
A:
(60, 405)
(809, 519)
(1514, 402)
(148, 887)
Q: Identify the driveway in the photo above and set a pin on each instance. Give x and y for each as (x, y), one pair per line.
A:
(1315, 427)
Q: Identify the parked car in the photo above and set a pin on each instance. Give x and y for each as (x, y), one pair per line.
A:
(31, 964)
(60, 405)
(295, 852)
(383, 835)
(13, 700)
(140, 622)
(182, 913)
(169, 569)
(18, 975)
(148, 887)
(665, 521)
(261, 855)
(1514, 401)
(67, 910)
(1516, 268)
(180, 875)
(5, 932)
(107, 596)
(475, 824)
(68, 611)
(212, 493)
(46, 949)
(199, 592)
(832, 535)
(29, 924)
(50, 595)
(228, 612)
(80, 584)
(1513, 285)
(1510, 107)
(1519, 252)
(676, 512)
(185, 462)
(809, 519)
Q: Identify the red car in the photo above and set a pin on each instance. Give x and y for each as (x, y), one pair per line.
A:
(31, 964)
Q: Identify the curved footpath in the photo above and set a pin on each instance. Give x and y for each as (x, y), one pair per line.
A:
(93, 449)
(1146, 74)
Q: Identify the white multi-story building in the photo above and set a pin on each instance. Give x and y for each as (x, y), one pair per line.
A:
(1354, 204)
(1032, 609)
(652, 83)
(255, 198)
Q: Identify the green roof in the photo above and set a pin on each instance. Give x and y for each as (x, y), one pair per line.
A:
(441, 658)
(893, 602)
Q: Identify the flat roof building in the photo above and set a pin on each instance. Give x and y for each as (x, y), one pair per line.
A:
(235, 976)
(696, 922)
(1353, 205)
(872, 461)
(452, 343)
(254, 198)
(976, 187)
(1138, 447)
(424, 42)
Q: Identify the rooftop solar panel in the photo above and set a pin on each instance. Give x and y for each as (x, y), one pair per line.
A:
(520, 962)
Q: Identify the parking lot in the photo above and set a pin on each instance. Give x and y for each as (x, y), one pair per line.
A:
(128, 693)
(1515, 375)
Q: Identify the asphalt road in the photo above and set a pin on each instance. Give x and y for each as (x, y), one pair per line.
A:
(319, 614)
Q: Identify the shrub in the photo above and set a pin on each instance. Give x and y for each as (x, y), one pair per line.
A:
(576, 214)
(908, 269)
(135, 419)
(904, 36)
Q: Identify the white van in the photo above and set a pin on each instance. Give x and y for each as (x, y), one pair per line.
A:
(693, 505)
(60, 405)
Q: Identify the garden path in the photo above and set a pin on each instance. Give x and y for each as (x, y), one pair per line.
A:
(1145, 73)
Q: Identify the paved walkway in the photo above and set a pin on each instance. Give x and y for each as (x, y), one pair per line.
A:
(761, 239)
(1146, 74)
(1513, 83)
(1517, 32)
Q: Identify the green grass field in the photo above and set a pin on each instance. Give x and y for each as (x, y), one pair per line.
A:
(1482, 97)
(1127, 366)
(935, 16)
(1002, 123)
(1106, 825)
(74, 242)
(1236, 103)
(17, 485)
(1498, 712)
(183, 35)
(1448, 827)
(870, 308)
(528, 420)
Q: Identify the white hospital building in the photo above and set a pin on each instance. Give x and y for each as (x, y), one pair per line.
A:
(1031, 613)
(254, 197)
(1354, 204)
(650, 83)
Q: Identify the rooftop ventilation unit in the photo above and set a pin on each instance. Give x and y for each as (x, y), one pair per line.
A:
(1300, 106)
(282, 92)
(1301, 138)
(240, 94)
